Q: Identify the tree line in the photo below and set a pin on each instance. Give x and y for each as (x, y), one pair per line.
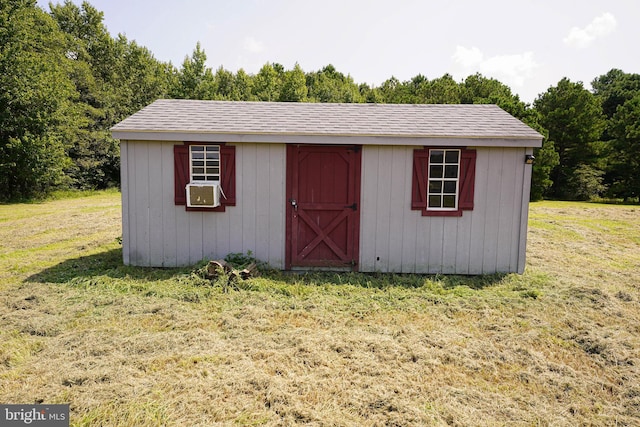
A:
(65, 81)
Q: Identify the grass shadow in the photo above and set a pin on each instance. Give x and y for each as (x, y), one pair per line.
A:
(385, 280)
(109, 264)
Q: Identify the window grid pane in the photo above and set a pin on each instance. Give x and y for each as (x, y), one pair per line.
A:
(444, 175)
(204, 163)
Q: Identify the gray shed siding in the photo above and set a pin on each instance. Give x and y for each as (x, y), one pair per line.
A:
(489, 239)
(393, 238)
(158, 233)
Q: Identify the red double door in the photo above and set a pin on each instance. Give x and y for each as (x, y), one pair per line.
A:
(323, 206)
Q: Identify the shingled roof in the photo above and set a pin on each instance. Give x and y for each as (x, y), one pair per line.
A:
(171, 119)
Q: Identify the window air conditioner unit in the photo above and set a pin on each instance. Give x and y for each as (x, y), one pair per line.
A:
(203, 195)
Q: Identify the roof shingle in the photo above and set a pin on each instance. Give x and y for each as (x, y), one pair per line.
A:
(317, 119)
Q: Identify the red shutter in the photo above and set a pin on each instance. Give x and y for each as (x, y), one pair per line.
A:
(419, 182)
(181, 173)
(467, 179)
(228, 179)
(420, 177)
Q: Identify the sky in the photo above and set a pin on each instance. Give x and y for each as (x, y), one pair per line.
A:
(529, 45)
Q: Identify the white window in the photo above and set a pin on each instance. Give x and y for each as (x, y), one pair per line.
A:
(204, 163)
(444, 177)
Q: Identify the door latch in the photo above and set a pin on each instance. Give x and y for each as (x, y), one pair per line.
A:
(294, 203)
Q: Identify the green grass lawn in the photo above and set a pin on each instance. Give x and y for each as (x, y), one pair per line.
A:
(559, 345)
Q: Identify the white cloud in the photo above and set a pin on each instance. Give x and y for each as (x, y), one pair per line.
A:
(467, 57)
(253, 45)
(512, 70)
(599, 27)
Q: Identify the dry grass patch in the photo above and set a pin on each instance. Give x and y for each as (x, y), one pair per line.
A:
(38, 235)
(131, 346)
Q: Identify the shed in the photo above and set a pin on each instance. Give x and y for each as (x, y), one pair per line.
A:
(363, 187)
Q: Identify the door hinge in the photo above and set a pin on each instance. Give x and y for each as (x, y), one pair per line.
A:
(353, 206)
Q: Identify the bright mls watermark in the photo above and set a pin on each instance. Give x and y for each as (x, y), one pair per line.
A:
(34, 415)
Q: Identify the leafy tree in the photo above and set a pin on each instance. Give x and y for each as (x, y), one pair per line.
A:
(294, 85)
(194, 79)
(546, 160)
(614, 89)
(65, 81)
(88, 38)
(279, 69)
(224, 85)
(244, 86)
(625, 129)
(477, 89)
(34, 101)
(395, 92)
(575, 122)
(267, 83)
(140, 78)
(443, 90)
(370, 95)
(587, 182)
(330, 85)
(113, 78)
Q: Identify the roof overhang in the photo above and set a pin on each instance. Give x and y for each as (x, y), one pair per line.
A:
(267, 138)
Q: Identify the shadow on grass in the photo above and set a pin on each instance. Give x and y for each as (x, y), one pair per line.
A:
(110, 264)
(107, 263)
(384, 280)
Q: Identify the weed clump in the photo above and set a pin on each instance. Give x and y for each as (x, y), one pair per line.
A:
(228, 274)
